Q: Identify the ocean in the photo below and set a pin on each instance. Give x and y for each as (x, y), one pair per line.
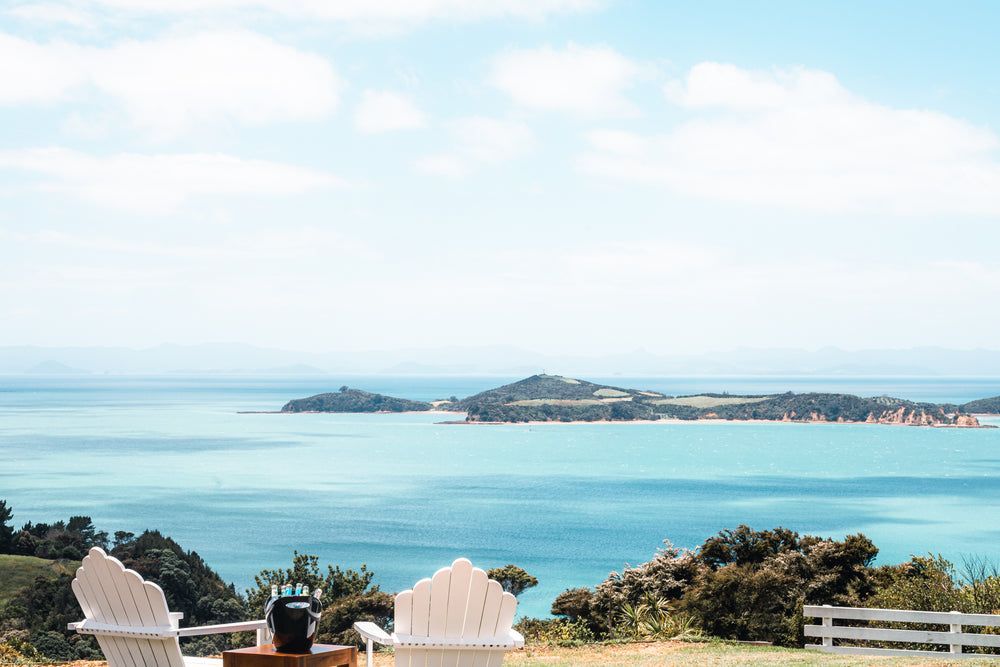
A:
(406, 495)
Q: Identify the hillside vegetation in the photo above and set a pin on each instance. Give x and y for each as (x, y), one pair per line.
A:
(16, 572)
(984, 406)
(354, 400)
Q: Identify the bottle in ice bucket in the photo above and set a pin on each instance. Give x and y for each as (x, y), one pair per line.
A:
(274, 590)
(293, 619)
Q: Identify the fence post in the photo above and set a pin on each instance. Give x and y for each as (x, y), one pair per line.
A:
(827, 623)
(956, 628)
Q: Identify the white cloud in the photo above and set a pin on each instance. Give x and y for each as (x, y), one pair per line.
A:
(292, 244)
(492, 139)
(37, 73)
(443, 164)
(385, 111)
(170, 84)
(355, 11)
(160, 183)
(44, 12)
(590, 81)
(797, 138)
(479, 140)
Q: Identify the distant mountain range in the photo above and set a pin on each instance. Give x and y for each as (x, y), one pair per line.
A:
(494, 360)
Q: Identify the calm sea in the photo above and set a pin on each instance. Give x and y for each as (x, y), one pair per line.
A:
(407, 495)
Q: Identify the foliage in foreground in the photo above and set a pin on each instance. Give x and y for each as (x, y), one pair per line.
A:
(740, 584)
(751, 585)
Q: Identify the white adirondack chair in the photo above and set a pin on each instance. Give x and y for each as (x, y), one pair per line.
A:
(459, 618)
(130, 620)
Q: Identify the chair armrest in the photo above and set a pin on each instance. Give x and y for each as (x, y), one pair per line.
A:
(92, 627)
(243, 626)
(371, 632)
(518, 638)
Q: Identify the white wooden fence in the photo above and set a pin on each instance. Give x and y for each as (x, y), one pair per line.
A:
(955, 638)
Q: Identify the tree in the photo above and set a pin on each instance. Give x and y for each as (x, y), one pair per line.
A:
(573, 604)
(87, 534)
(513, 579)
(122, 537)
(6, 529)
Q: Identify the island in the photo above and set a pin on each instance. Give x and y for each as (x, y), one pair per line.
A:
(555, 398)
(354, 400)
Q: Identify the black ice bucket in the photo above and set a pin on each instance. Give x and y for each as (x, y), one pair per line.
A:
(293, 622)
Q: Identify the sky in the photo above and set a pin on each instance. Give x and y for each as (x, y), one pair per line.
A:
(578, 176)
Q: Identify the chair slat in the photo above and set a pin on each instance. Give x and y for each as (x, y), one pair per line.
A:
(420, 620)
(90, 611)
(491, 609)
(505, 619)
(473, 615)
(438, 622)
(458, 602)
(477, 600)
(403, 612)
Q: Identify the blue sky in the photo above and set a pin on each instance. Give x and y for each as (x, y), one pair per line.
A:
(563, 175)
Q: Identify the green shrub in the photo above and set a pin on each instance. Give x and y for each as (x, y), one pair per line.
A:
(53, 645)
(560, 631)
(655, 619)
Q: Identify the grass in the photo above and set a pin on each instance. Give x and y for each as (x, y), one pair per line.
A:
(709, 401)
(16, 572)
(671, 654)
(714, 654)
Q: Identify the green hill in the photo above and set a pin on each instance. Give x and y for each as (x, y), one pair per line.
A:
(16, 572)
(354, 400)
(558, 398)
(984, 406)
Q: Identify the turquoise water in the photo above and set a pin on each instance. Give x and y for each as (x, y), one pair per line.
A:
(406, 495)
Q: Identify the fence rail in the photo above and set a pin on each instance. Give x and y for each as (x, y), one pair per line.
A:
(955, 638)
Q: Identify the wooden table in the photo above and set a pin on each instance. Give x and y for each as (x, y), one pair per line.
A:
(321, 655)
